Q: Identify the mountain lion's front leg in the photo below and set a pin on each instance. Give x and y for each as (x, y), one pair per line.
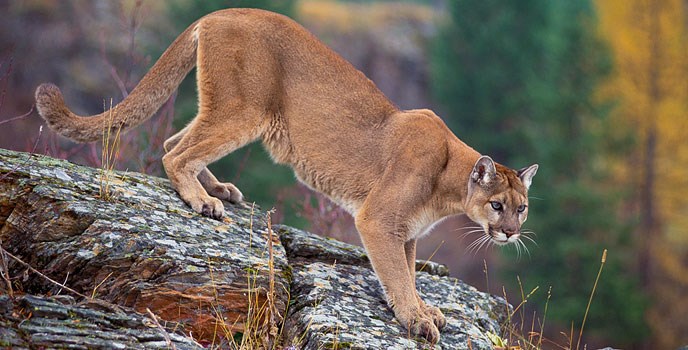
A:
(384, 241)
(432, 311)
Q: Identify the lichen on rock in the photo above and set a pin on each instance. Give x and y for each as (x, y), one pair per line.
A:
(143, 248)
(337, 302)
(31, 322)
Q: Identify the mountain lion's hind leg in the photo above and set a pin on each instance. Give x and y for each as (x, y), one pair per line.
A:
(208, 138)
(224, 191)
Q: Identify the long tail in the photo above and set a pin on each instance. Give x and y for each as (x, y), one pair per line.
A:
(148, 96)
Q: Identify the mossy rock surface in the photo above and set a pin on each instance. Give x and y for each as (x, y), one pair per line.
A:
(143, 248)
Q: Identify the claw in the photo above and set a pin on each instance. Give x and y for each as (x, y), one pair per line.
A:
(213, 208)
(206, 210)
(422, 324)
(426, 328)
(437, 316)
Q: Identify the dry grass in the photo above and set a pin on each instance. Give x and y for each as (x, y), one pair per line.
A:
(515, 337)
(262, 327)
(592, 294)
(109, 156)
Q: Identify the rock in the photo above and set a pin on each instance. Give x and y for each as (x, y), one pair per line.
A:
(143, 248)
(303, 246)
(140, 247)
(337, 302)
(52, 322)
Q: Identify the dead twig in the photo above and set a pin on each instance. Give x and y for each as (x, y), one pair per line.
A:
(5, 271)
(18, 117)
(162, 330)
(28, 161)
(20, 261)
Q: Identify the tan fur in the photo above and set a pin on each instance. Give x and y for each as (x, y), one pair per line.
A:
(262, 76)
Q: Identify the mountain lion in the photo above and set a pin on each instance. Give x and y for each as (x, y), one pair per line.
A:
(262, 76)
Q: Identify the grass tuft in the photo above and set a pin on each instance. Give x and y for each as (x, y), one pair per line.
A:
(263, 324)
(592, 294)
(513, 336)
(109, 155)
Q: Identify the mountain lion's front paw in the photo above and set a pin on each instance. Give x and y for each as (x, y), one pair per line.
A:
(435, 314)
(226, 192)
(421, 325)
(208, 206)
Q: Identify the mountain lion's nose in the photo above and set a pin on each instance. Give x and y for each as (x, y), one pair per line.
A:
(510, 231)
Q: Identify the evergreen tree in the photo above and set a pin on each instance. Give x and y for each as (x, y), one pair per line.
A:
(517, 81)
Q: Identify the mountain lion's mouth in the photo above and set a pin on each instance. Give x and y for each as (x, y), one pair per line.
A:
(501, 238)
(494, 236)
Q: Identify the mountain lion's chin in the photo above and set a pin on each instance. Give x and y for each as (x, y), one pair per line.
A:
(500, 238)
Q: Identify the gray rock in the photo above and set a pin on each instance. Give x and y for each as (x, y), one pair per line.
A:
(144, 248)
(52, 322)
(337, 302)
(300, 245)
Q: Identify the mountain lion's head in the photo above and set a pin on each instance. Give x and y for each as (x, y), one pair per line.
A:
(498, 199)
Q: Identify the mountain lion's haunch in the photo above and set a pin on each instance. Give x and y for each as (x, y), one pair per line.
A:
(262, 76)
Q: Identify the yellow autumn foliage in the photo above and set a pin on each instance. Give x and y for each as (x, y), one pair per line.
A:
(649, 43)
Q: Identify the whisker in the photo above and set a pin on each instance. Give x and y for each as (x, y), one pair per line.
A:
(527, 250)
(529, 232)
(478, 244)
(524, 247)
(471, 232)
(483, 241)
(530, 239)
(467, 228)
(518, 250)
(476, 247)
(475, 230)
(470, 247)
(490, 244)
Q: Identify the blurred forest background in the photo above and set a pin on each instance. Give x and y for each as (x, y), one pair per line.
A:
(595, 91)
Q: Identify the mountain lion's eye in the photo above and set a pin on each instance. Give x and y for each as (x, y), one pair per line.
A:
(521, 208)
(496, 205)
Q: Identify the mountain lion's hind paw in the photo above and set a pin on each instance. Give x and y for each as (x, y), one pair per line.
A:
(227, 192)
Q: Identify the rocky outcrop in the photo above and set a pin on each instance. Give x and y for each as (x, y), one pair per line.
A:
(336, 297)
(141, 248)
(31, 322)
(138, 247)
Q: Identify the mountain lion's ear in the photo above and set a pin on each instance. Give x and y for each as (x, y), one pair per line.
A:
(526, 175)
(484, 171)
